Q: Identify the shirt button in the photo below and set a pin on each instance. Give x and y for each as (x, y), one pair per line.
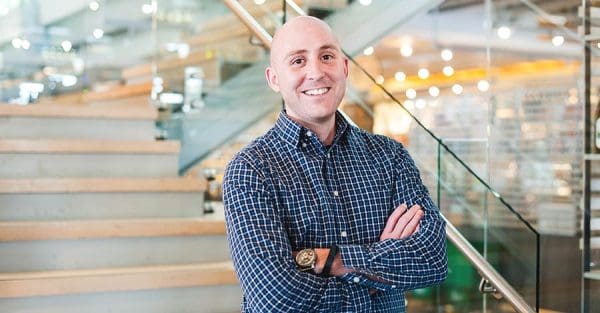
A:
(336, 193)
(304, 145)
(309, 133)
(393, 286)
(344, 234)
(356, 280)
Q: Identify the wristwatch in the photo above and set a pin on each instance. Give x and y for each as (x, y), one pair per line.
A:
(306, 259)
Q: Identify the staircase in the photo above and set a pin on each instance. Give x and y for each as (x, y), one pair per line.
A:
(94, 218)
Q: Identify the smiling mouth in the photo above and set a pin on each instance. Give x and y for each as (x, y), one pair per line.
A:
(316, 92)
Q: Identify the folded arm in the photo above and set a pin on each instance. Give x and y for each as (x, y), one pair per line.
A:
(262, 254)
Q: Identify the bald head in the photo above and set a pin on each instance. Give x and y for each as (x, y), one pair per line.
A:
(295, 26)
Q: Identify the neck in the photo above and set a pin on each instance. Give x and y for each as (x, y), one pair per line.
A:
(324, 130)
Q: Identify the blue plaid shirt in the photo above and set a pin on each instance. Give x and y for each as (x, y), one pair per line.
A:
(286, 191)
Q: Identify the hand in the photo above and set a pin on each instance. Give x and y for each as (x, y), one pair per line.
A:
(402, 223)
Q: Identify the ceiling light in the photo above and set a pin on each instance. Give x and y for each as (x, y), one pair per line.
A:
(420, 103)
(368, 50)
(16, 43)
(365, 2)
(409, 104)
(483, 85)
(98, 33)
(423, 73)
(66, 45)
(259, 2)
(558, 40)
(448, 70)
(411, 93)
(25, 44)
(4, 10)
(379, 79)
(457, 89)
(406, 50)
(447, 55)
(94, 6)
(147, 8)
(504, 32)
(434, 91)
(400, 76)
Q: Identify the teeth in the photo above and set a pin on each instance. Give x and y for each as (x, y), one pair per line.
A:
(316, 92)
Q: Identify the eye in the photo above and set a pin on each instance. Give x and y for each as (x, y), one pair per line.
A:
(297, 61)
(327, 57)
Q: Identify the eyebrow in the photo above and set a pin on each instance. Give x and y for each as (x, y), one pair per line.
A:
(301, 51)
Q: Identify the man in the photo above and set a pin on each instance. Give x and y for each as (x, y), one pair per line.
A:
(322, 216)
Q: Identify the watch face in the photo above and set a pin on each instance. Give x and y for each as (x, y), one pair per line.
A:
(306, 258)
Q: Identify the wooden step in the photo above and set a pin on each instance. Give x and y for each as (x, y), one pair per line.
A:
(100, 185)
(72, 122)
(88, 146)
(64, 111)
(31, 158)
(52, 283)
(51, 255)
(86, 229)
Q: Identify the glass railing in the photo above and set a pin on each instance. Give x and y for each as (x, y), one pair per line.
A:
(215, 75)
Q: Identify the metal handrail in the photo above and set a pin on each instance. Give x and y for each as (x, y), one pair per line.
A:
(486, 270)
(462, 244)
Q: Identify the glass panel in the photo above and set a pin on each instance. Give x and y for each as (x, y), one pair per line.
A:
(211, 69)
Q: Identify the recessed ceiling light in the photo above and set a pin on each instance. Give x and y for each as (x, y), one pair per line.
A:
(558, 40)
(457, 89)
(94, 6)
(406, 50)
(368, 50)
(448, 70)
(147, 8)
(66, 45)
(411, 93)
(98, 33)
(447, 54)
(400, 76)
(483, 85)
(504, 32)
(434, 91)
(423, 73)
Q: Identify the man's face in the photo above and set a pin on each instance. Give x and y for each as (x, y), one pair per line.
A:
(309, 69)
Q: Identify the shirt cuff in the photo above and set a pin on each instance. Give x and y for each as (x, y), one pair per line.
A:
(355, 257)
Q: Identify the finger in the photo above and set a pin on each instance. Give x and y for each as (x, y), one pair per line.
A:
(412, 225)
(393, 219)
(404, 219)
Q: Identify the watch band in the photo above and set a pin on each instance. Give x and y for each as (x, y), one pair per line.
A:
(333, 251)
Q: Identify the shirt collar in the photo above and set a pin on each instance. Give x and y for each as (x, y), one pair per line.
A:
(292, 133)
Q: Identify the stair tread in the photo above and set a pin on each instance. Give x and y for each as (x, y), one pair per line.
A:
(61, 282)
(51, 110)
(88, 146)
(595, 275)
(120, 228)
(72, 185)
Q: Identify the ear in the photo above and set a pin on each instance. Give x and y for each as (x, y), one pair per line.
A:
(272, 79)
(346, 67)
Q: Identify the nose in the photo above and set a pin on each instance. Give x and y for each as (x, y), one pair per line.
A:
(314, 70)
